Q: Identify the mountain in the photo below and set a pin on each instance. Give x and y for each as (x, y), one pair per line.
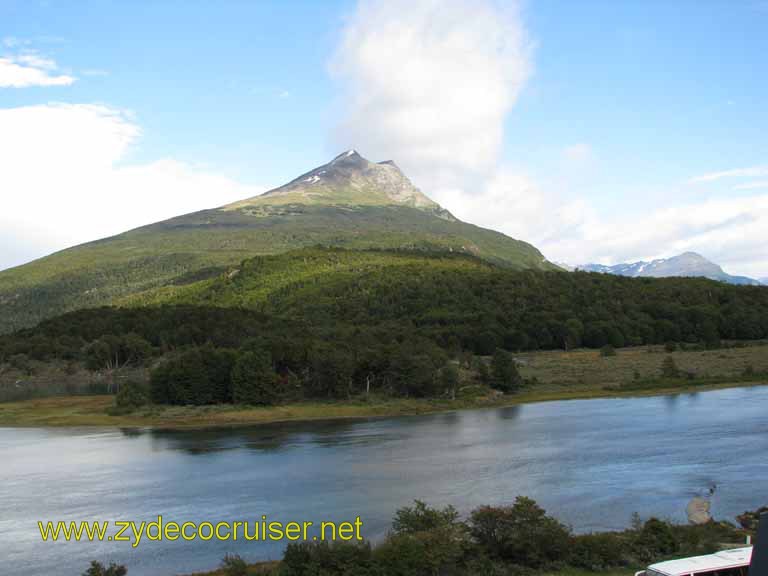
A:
(349, 202)
(763, 281)
(348, 179)
(686, 264)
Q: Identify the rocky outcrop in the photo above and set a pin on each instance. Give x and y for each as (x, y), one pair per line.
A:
(698, 511)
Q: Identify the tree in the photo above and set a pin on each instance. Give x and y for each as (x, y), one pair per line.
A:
(522, 533)
(424, 540)
(234, 565)
(422, 518)
(656, 539)
(180, 380)
(504, 373)
(132, 395)
(331, 370)
(709, 335)
(98, 569)
(607, 350)
(449, 379)
(111, 352)
(483, 373)
(323, 558)
(574, 329)
(669, 368)
(218, 364)
(485, 343)
(253, 380)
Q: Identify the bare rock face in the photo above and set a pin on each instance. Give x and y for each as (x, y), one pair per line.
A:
(350, 179)
(698, 511)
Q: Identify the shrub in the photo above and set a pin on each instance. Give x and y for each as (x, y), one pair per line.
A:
(432, 552)
(132, 394)
(483, 373)
(607, 350)
(197, 376)
(449, 379)
(522, 533)
(21, 363)
(180, 380)
(427, 539)
(669, 368)
(597, 552)
(234, 565)
(253, 380)
(504, 374)
(670, 346)
(656, 540)
(323, 558)
(422, 518)
(98, 569)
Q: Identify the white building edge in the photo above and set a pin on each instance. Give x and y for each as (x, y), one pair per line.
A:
(726, 563)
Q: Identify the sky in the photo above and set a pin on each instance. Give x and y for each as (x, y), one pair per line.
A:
(598, 131)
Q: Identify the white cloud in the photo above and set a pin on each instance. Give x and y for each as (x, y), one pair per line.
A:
(735, 173)
(730, 231)
(62, 181)
(30, 69)
(756, 185)
(429, 83)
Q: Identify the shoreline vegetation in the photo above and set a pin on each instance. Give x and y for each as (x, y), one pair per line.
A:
(543, 375)
(75, 411)
(331, 333)
(515, 539)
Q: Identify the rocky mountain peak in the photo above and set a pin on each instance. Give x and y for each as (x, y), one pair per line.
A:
(349, 179)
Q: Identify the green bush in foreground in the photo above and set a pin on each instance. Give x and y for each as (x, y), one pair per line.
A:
(520, 539)
(234, 565)
(522, 533)
(98, 569)
(516, 540)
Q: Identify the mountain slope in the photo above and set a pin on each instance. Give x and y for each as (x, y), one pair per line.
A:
(348, 179)
(686, 264)
(349, 202)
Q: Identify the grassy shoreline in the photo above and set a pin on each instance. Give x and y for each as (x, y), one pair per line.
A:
(85, 411)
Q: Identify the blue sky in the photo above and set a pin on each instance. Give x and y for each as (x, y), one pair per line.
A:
(596, 130)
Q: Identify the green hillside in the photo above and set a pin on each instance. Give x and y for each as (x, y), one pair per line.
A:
(264, 282)
(385, 211)
(325, 323)
(462, 302)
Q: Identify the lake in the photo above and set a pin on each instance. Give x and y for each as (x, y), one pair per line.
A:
(591, 463)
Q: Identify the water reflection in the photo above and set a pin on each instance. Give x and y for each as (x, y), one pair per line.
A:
(325, 433)
(263, 438)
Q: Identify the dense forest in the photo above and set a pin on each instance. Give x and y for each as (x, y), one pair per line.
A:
(335, 323)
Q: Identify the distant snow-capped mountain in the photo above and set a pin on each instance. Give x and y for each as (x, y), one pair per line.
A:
(686, 264)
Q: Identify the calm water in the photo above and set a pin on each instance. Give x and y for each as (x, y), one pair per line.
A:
(592, 463)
